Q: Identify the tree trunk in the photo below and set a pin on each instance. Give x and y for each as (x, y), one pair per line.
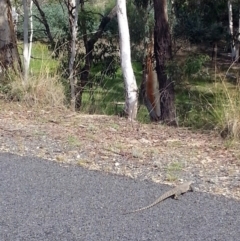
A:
(163, 54)
(27, 45)
(9, 56)
(15, 19)
(89, 46)
(26, 60)
(45, 23)
(230, 19)
(31, 32)
(131, 101)
(73, 19)
(150, 87)
(238, 38)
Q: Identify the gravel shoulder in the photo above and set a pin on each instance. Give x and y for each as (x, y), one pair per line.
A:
(113, 145)
(43, 200)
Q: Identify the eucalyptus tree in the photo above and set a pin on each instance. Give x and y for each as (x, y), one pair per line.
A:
(43, 19)
(230, 19)
(163, 92)
(131, 100)
(73, 8)
(9, 56)
(27, 44)
(234, 31)
(163, 54)
(90, 40)
(238, 34)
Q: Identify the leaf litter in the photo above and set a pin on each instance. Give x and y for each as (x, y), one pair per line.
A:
(112, 144)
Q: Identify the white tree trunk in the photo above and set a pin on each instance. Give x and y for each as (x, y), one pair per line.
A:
(230, 19)
(14, 18)
(25, 40)
(74, 26)
(131, 100)
(238, 38)
(31, 33)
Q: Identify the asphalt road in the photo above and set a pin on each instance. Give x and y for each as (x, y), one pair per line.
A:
(41, 200)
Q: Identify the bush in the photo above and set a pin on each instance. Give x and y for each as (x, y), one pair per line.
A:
(227, 111)
(194, 64)
(57, 18)
(38, 91)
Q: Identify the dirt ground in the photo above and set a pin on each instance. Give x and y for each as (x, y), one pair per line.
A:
(112, 144)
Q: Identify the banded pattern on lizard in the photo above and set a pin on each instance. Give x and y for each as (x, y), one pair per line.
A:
(176, 191)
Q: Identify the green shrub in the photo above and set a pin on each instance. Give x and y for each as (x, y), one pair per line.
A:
(57, 18)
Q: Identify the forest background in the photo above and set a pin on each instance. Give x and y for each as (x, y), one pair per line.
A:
(204, 66)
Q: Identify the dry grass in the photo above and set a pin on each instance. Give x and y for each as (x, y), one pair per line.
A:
(167, 155)
(227, 109)
(229, 113)
(43, 90)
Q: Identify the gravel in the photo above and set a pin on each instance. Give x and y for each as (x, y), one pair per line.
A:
(43, 200)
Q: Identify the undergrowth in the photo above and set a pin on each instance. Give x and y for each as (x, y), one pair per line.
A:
(203, 101)
(211, 104)
(227, 110)
(38, 91)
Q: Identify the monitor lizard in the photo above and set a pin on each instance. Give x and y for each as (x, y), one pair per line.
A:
(175, 192)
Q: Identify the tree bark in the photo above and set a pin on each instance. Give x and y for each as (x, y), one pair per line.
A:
(163, 54)
(238, 38)
(89, 46)
(9, 56)
(131, 100)
(149, 90)
(45, 23)
(27, 45)
(230, 22)
(73, 19)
